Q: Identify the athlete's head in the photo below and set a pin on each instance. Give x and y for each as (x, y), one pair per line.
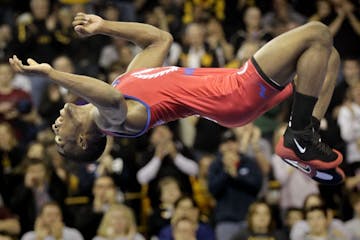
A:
(77, 136)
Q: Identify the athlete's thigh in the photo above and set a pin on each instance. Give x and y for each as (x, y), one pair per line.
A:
(278, 58)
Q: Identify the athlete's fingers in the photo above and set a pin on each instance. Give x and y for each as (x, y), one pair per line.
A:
(79, 22)
(79, 14)
(17, 64)
(31, 61)
(81, 17)
(80, 30)
(12, 64)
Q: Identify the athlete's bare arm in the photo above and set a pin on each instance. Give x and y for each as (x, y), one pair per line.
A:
(111, 106)
(155, 42)
(103, 96)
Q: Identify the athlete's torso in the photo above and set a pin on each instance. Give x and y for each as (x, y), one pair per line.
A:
(230, 97)
(173, 92)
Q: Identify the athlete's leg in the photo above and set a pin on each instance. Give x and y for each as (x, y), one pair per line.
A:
(328, 86)
(325, 93)
(304, 51)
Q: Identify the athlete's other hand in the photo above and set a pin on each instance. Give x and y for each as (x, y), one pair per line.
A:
(87, 24)
(33, 67)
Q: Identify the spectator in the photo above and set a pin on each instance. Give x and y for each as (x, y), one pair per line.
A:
(252, 144)
(40, 186)
(302, 228)
(157, 17)
(317, 220)
(282, 18)
(118, 51)
(11, 154)
(172, 11)
(15, 105)
(252, 31)
(184, 229)
(351, 75)
(233, 178)
(244, 53)
(118, 223)
(185, 207)
(345, 26)
(352, 226)
(36, 150)
(51, 103)
(87, 218)
(168, 157)
(215, 37)
(259, 224)
(200, 183)
(292, 216)
(5, 40)
(64, 33)
(66, 64)
(323, 10)
(196, 52)
(169, 191)
(329, 128)
(206, 137)
(34, 33)
(49, 225)
(9, 223)
(349, 123)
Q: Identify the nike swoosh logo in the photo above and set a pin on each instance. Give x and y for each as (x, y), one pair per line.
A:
(304, 168)
(299, 147)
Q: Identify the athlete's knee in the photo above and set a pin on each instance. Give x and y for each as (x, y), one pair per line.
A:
(335, 58)
(319, 33)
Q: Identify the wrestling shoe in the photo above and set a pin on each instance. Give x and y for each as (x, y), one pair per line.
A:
(305, 148)
(333, 176)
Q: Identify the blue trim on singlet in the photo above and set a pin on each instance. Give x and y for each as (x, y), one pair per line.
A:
(147, 121)
(189, 71)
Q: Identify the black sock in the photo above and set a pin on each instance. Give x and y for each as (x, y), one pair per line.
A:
(315, 123)
(302, 109)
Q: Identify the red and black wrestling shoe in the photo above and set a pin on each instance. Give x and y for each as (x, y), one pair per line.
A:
(305, 151)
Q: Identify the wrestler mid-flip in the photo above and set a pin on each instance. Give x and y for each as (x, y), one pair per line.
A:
(148, 94)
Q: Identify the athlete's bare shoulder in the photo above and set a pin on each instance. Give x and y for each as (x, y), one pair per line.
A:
(135, 120)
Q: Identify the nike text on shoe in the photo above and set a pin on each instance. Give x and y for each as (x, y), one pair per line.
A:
(333, 176)
(304, 147)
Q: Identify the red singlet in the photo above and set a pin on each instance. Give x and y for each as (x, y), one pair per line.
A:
(230, 97)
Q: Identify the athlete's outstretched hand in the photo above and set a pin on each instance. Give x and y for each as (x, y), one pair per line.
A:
(87, 24)
(33, 67)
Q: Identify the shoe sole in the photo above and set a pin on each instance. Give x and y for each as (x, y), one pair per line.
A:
(332, 176)
(287, 153)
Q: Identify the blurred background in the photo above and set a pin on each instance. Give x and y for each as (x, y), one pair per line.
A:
(190, 179)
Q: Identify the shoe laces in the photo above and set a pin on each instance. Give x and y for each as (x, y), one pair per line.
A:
(319, 145)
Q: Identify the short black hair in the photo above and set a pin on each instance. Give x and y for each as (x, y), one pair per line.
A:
(95, 147)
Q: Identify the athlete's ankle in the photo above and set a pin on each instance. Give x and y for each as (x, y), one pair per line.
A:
(302, 109)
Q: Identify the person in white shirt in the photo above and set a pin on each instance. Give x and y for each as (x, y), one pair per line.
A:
(50, 226)
(349, 123)
(353, 225)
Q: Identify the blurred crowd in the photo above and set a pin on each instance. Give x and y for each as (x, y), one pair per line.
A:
(190, 179)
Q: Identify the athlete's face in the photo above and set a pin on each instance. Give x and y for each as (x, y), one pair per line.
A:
(67, 126)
